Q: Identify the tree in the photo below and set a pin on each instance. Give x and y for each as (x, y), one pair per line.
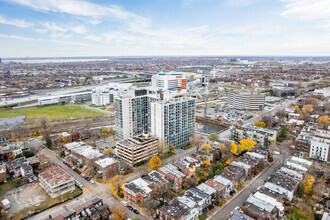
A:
(297, 108)
(159, 192)
(205, 148)
(301, 190)
(213, 137)
(260, 124)
(207, 163)
(320, 187)
(312, 101)
(119, 212)
(112, 133)
(108, 151)
(234, 148)
(154, 163)
(196, 140)
(117, 184)
(308, 108)
(245, 145)
(323, 121)
(283, 133)
(162, 147)
(308, 183)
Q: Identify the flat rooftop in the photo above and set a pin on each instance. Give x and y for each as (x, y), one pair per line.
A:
(55, 174)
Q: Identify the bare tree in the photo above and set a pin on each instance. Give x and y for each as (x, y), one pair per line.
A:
(196, 140)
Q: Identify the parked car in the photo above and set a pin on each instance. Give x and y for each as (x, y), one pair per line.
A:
(124, 203)
(92, 181)
(136, 211)
(130, 207)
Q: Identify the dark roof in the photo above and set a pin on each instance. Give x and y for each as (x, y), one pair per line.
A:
(175, 209)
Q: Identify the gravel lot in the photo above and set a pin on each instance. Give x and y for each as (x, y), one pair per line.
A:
(25, 196)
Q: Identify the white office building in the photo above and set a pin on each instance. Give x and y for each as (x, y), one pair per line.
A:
(246, 101)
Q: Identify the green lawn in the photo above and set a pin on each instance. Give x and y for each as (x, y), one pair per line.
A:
(141, 84)
(5, 187)
(53, 112)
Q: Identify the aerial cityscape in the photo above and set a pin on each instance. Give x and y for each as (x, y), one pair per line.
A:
(169, 110)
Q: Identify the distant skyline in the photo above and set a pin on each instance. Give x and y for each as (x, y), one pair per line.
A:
(64, 28)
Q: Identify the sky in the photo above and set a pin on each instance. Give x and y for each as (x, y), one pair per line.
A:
(63, 28)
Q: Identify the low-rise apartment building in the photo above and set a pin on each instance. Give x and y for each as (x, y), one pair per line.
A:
(140, 190)
(137, 149)
(172, 173)
(262, 136)
(107, 166)
(56, 181)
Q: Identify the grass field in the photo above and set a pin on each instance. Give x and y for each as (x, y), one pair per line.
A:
(53, 112)
(5, 187)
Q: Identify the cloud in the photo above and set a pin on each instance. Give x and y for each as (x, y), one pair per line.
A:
(93, 37)
(60, 31)
(77, 7)
(15, 22)
(307, 9)
(16, 37)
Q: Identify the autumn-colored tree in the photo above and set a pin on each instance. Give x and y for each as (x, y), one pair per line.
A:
(297, 108)
(207, 163)
(3, 212)
(234, 148)
(312, 101)
(154, 163)
(260, 124)
(117, 184)
(228, 162)
(119, 212)
(308, 108)
(108, 151)
(246, 145)
(324, 121)
(11, 157)
(308, 183)
(205, 148)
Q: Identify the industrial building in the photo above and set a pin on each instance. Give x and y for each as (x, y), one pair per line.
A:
(246, 101)
(76, 97)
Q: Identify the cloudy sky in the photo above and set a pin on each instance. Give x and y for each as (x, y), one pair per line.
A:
(164, 27)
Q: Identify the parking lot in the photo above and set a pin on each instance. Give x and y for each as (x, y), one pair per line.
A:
(25, 196)
(222, 112)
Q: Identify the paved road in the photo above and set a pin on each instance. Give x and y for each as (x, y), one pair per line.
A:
(224, 212)
(91, 191)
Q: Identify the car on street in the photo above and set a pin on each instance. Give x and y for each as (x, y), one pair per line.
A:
(130, 207)
(124, 203)
(136, 211)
